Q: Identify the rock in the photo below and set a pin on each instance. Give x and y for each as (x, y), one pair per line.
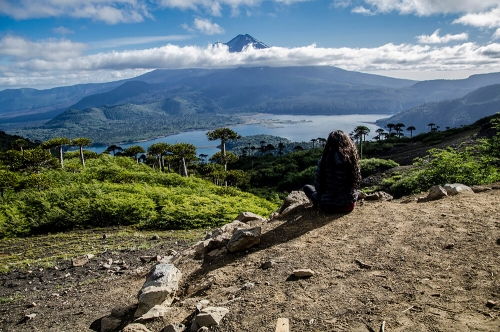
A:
(110, 323)
(303, 273)
(267, 264)
(79, 261)
(248, 285)
(121, 312)
(249, 216)
(155, 312)
(211, 316)
(203, 329)
(202, 305)
(162, 281)
(220, 241)
(457, 188)
(217, 252)
(480, 189)
(378, 196)
(175, 328)
(29, 317)
(436, 192)
(421, 199)
(229, 228)
(135, 327)
(296, 200)
(243, 239)
(155, 237)
(361, 195)
(491, 303)
(147, 259)
(201, 247)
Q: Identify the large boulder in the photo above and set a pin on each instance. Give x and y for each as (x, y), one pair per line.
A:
(162, 282)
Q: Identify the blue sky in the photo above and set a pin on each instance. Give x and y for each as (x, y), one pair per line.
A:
(47, 43)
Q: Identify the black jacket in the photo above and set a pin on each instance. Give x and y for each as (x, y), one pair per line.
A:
(333, 182)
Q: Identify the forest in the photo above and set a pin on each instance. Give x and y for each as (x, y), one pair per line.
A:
(46, 190)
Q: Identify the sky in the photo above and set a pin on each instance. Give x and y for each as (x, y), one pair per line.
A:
(49, 43)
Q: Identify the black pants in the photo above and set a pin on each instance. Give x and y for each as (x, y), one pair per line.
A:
(311, 193)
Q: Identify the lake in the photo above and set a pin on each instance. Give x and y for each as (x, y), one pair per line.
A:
(296, 128)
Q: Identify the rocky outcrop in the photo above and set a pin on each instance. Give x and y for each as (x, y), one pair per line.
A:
(162, 282)
(438, 192)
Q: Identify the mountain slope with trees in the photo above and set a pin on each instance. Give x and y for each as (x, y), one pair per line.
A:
(479, 103)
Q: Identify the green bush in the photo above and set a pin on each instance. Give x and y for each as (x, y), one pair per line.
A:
(374, 165)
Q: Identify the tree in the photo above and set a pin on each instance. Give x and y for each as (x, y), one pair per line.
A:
(298, 148)
(184, 153)
(361, 131)
(314, 140)
(399, 127)
(113, 148)
(322, 141)
(411, 129)
(381, 133)
(20, 144)
(133, 151)
(431, 125)
(58, 143)
(390, 126)
(222, 134)
(281, 146)
(203, 158)
(270, 148)
(8, 179)
(159, 150)
(81, 142)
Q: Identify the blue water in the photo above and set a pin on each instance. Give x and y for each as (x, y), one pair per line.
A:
(305, 128)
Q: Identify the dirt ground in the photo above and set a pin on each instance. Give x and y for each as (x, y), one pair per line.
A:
(432, 266)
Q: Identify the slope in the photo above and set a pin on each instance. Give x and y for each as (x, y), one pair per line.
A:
(419, 267)
(480, 103)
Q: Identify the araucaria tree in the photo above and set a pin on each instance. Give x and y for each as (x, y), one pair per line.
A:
(361, 131)
(81, 142)
(222, 134)
(57, 143)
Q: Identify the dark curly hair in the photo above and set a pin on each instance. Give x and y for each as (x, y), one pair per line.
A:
(341, 142)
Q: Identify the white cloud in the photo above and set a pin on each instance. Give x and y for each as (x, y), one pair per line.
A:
(109, 11)
(62, 30)
(46, 50)
(496, 35)
(119, 42)
(431, 7)
(489, 19)
(206, 27)
(341, 3)
(71, 68)
(363, 11)
(435, 38)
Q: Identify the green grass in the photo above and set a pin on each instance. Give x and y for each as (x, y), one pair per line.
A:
(46, 250)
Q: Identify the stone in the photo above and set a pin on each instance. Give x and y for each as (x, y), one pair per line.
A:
(220, 241)
(155, 312)
(211, 316)
(202, 305)
(229, 228)
(248, 216)
(217, 252)
(147, 259)
(135, 327)
(29, 317)
(110, 323)
(176, 327)
(457, 188)
(303, 273)
(480, 189)
(296, 200)
(79, 261)
(378, 196)
(267, 264)
(436, 192)
(201, 247)
(243, 239)
(162, 281)
(491, 303)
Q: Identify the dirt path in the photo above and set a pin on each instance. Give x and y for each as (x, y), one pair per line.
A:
(419, 267)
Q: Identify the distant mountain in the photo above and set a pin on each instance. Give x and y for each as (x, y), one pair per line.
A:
(241, 41)
(477, 104)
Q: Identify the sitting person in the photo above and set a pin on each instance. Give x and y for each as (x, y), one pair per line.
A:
(337, 175)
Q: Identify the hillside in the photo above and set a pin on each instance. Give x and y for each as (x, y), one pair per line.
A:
(417, 266)
(475, 105)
